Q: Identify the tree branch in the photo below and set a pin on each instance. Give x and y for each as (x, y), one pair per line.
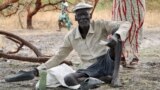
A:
(36, 51)
(28, 59)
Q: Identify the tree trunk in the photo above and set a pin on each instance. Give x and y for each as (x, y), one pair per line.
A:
(29, 21)
(31, 14)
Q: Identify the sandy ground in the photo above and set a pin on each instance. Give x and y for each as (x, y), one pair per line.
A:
(145, 77)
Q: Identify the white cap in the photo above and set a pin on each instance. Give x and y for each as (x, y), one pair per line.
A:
(82, 5)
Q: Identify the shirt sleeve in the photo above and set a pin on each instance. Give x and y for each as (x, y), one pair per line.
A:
(119, 27)
(63, 52)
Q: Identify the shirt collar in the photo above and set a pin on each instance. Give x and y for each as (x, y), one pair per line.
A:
(78, 35)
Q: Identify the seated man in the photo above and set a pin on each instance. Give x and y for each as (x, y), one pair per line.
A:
(85, 39)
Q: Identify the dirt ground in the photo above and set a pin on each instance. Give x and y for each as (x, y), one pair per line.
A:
(145, 77)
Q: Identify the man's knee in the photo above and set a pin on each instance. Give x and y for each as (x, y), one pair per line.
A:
(74, 78)
(70, 80)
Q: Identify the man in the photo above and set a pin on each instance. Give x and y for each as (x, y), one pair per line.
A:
(134, 12)
(85, 40)
(63, 17)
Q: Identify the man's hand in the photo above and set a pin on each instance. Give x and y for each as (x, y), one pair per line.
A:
(23, 76)
(113, 40)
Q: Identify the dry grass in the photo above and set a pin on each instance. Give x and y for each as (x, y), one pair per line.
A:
(48, 20)
(152, 19)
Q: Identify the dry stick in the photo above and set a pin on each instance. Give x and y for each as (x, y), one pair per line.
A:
(96, 1)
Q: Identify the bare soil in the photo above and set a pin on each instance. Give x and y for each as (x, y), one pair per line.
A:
(145, 77)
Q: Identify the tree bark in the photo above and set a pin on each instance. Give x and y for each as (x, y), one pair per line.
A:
(31, 14)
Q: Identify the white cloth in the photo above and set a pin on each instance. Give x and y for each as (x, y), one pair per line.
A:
(55, 76)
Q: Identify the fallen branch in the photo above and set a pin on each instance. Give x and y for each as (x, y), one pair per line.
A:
(36, 51)
(10, 55)
(22, 58)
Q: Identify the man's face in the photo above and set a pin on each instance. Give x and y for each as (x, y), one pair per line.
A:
(83, 17)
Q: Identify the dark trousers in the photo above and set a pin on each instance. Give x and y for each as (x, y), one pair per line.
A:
(104, 66)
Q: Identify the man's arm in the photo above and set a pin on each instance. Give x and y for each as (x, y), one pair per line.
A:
(63, 52)
(117, 27)
(123, 30)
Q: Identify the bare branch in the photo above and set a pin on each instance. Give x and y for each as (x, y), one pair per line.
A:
(36, 51)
